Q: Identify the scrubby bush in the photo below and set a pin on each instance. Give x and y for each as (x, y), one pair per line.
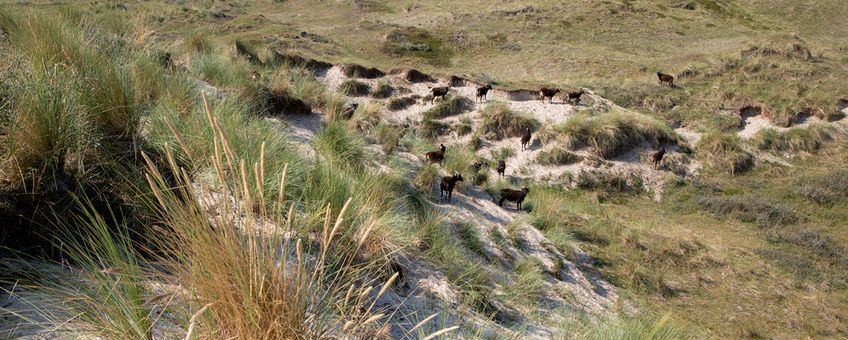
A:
(431, 128)
(501, 122)
(557, 156)
(198, 42)
(400, 103)
(825, 188)
(748, 208)
(384, 90)
(353, 87)
(724, 152)
(366, 116)
(452, 106)
(337, 143)
(609, 182)
(609, 134)
(808, 139)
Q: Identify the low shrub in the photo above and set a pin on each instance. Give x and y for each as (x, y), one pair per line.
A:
(725, 152)
(826, 188)
(501, 122)
(400, 103)
(609, 182)
(452, 106)
(384, 90)
(355, 88)
(557, 156)
(796, 139)
(609, 134)
(749, 208)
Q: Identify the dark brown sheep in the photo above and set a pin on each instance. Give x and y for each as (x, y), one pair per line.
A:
(516, 196)
(657, 157)
(574, 96)
(482, 92)
(447, 185)
(665, 78)
(501, 168)
(525, 139)
(548, 93)
(436, 156)
(441, 91)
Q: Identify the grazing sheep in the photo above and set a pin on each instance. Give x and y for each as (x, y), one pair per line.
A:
(574, 96)
(447, 185)
(441, 91)
(349, 110)
(516, 196)
(665, 78)
(436, 156)
(501, 168)
(255, 76)
(525, 139)
(657, 157)
(546, 93)
(482, 92)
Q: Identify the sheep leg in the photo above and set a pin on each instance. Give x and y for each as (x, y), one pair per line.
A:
(500, 203)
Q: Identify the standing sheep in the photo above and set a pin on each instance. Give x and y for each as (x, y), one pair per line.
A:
(525, 139)
(516, 196)
(482, 92)
(447, 185)
(501, 168)
(548, 93)
(436, 156)
(657, 157)
(665, 78)
(574, 96)
(441, 91)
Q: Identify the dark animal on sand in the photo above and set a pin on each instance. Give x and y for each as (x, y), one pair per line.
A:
(447, 185)
(501, 168)
(525, 139)
(511, 195)
(436, 156)
(657, 157)
(440, 91)
(574, 96)
(547, 93)
(482, 92)
(665, 78)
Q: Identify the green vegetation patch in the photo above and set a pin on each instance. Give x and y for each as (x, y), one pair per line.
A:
(419, 43)
(747, 208)
(609, 134)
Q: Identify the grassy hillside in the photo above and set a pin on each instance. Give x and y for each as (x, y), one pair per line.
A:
(242, 196)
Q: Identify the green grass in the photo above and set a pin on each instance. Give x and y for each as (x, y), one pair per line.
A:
(356, 88)
(384, 90)
(470, 238)
(501, 122)
(724, 153)
(452, 106)
(750, 209)
(609, 134)
(528, 288)
(400, 103)
(336, 143)
(808, 139)
(557, 156)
